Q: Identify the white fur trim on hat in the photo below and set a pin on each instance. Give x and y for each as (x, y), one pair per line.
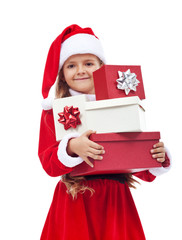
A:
(62, 154)
(81, 44)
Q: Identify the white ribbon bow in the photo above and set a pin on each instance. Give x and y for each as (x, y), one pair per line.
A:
(127, 81)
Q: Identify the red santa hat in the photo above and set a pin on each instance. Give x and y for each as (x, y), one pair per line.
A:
(73, 40)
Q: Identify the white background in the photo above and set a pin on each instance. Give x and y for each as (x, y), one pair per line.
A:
(146, 33)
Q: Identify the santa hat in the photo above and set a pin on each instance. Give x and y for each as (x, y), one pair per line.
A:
(73, 40)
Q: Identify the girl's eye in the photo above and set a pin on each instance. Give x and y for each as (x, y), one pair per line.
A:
(70, 66)
(89, 64)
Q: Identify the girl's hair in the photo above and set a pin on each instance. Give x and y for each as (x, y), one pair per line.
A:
(62, 88)
(77, 185)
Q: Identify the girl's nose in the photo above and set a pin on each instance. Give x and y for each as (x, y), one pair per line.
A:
(80, 70)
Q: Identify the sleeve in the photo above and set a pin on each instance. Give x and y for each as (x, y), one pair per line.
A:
(53, 155)
(151, 174)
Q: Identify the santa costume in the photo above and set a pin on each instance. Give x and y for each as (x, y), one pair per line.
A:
(110, 213)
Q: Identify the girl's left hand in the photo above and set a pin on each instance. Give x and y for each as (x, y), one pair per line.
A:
(158, 152)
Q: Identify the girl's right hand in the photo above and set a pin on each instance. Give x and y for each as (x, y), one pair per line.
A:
(84, 147)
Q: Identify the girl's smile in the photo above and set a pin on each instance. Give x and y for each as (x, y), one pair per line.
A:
(78, 72)
(81, 78)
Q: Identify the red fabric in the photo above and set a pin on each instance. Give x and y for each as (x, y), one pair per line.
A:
(166, 163)
(48, 147)
(109, 214)
(145, 176)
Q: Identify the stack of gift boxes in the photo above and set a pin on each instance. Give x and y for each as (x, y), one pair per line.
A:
(117, 116)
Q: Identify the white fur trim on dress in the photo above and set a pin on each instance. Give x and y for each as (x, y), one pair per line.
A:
(89, 97)
(159, 171)
(81, 44)
(62, 154)
(47, 103)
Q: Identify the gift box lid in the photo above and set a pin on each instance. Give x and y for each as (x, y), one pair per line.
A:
(125, 136)
(113, 103)
(107, 84)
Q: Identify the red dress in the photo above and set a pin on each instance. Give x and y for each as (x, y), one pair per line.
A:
(109, 214)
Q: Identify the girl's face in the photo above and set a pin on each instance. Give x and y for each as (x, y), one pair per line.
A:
(78, 72)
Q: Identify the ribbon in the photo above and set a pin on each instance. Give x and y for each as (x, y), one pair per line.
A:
(127, 81)
(69, 117)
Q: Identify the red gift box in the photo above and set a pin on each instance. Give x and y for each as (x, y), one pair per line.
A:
(106, 84)
(124, 153)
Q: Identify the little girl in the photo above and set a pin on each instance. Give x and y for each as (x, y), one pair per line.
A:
(92, 207)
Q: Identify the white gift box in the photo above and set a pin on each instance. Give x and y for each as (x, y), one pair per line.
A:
(116, 115)
(103, 116)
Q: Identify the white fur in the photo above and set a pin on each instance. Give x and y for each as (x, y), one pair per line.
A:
(62, 154)
(81, 44)
(89, 97)
(47, 103)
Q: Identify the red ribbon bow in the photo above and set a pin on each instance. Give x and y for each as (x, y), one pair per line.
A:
(69, 117)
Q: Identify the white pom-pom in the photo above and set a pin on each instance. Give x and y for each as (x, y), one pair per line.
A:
(47, 103)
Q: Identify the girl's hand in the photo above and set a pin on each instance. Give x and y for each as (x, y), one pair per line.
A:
(84, 147)
(158, 152)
